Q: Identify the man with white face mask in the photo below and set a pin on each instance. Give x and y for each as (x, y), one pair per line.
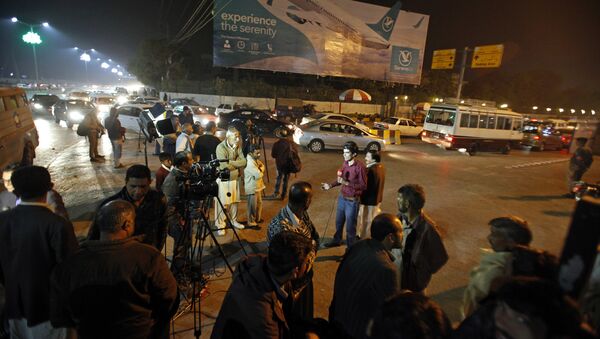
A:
(353, 179)
(229, 190)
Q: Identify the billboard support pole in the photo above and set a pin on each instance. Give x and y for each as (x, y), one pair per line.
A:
(462, 73)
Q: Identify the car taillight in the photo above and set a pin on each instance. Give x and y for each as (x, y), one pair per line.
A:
(537, 137)
(563, 138)
(424, 133)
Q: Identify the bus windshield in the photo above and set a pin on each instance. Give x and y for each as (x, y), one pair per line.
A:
(441, 117)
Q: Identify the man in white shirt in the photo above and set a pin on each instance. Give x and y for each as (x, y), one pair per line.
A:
(186, 140)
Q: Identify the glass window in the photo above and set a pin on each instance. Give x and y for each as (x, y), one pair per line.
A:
(412, 123)
(404, 123)
(518, 125)
(348, 120)
(10, 102)
(22, 100)
(491, 121)
(441, 117)
(483, 120)
(504, 123)
(473, 120)
(325, 127)
(464, 120)
(349, 129)
(390, 120)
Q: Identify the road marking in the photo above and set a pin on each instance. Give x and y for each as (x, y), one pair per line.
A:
(537, 163)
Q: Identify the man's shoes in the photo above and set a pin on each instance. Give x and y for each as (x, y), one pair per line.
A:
(237, 225)
(332, 244)
(252, 225)
(221, 232)
(273, 196)
(99, 156)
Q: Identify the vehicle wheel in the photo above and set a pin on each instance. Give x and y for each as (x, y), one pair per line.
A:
(505, 149)
(373, 146)
(69, 124)
(277, 132)
(472, 150)
(316, 146)
(28, 154)
(541, 147)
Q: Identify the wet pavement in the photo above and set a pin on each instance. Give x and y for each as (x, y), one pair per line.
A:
(463, 194)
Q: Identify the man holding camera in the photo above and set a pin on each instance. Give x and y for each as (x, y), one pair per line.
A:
(172, 188)
(229, 190)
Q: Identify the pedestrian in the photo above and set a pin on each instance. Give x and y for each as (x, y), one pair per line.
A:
(205, 146)
(580, 162)
(505, 234)
(116, 134)
(115, 287)
(229, 190)
(253, 305)
(186, 117)
(150, 207)
(8, 199)
(94, 130)
(166, 161)
(165, 98)
(254, 185)
(423, 252)
(185, 140)
(370, 200)
(366, 277)
(179, 226)
(33, 240)
(410, 315)
(283, 150)
(353, 179)
(294, 217)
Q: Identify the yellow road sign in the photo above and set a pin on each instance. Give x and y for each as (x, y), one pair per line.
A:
(489, 56)
(443, 59)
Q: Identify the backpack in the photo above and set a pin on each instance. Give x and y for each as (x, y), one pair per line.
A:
(294, 165)
(83, 129)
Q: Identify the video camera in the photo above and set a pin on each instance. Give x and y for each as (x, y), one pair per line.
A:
(201, 180)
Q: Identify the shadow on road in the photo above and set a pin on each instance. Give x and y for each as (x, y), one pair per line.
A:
(533, 197)
(557, 213)
(452, 301)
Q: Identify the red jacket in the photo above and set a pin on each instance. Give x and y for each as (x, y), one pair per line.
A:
(161, 175)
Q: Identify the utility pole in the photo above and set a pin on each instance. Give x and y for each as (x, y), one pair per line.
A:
(462, 73)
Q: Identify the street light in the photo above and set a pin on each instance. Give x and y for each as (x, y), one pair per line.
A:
(105, 65)
(572, 111)
(535, 108)
(561, 110)
(114, 70)
(582, 111)
(504, 106)
(33, 39)
(85, 57)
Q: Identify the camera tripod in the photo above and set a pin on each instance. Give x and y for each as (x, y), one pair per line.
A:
(192, 265)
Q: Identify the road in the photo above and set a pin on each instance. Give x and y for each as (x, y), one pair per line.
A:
(463, 194)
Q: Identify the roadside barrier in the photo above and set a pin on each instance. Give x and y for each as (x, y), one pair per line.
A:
(390, 137)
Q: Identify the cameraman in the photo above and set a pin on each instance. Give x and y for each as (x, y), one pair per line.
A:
(174, 189)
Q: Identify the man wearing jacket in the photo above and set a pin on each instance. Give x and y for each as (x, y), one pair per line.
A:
(150, 207)
(116, 134)
(253, 305)
(33, 240)
(114, 287)
(423, 252)
(370, 200)
(281, 153)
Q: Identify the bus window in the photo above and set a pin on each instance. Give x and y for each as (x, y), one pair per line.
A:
(441, 117)
(518, 125)
(483, 120)
(473, 120)
(464, 120)
(491, 121)
(504, 123)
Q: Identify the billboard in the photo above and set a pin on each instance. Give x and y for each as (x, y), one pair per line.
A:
(324, 37)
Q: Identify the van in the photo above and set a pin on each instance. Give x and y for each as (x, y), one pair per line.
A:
(18, 135)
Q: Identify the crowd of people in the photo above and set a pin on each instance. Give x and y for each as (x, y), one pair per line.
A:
(117, 284)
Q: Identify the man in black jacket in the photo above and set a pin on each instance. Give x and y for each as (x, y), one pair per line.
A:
(281, 153)
(366, 277)
(206, 145)
(370, 200)
(33, 240)
(150, 207)
(114, 287)
(116, 134)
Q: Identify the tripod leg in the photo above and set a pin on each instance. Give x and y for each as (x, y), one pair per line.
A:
(262, 141)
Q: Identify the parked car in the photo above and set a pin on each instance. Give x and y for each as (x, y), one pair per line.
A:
(184, 102)
(223, 108)
(332, 134)
(103, 104)
(406, 127)
(18, 135)
(43, 102)
(79, 96)
(263, 121)
(71, 111)
(129, 115)
(201, 114)
(566, 135)
(541, 136)
(334, 116)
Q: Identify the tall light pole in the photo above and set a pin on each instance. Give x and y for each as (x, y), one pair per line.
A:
(85, 57)
(33, 39)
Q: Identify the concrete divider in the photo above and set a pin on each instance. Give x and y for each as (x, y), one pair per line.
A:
(390, 137)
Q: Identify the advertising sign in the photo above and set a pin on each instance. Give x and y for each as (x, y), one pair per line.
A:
(443, 59)
(489, 56)
(324, 37)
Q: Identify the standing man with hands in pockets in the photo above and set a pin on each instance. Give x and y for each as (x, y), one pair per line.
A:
(353, 179)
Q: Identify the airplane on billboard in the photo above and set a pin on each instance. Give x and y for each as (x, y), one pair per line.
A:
(324, 14)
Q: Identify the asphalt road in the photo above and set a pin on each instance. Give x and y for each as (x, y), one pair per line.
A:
(463, 194)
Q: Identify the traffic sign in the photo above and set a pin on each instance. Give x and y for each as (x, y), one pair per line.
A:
(443, 59)
(489, 56)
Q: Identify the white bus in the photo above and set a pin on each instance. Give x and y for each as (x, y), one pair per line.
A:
(473, 128)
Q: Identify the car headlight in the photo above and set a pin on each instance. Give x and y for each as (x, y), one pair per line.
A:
(122, 99)
(218, 120)
(37, 106)
(204, 122)
(75, 116)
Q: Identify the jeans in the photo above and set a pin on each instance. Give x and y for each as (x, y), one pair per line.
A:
(285, 177)
(117, 146)
(347, 212)
(254, 207)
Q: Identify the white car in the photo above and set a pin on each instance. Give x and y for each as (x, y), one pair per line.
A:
(223, 108)
(406, 127)
(201, 114)
(129, 115)
(334, 116)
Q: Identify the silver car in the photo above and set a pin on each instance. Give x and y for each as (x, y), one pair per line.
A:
(332, 134)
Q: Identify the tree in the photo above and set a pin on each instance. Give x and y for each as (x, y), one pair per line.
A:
(151, 62)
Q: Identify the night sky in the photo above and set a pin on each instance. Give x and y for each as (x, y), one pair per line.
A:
(562, 36)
